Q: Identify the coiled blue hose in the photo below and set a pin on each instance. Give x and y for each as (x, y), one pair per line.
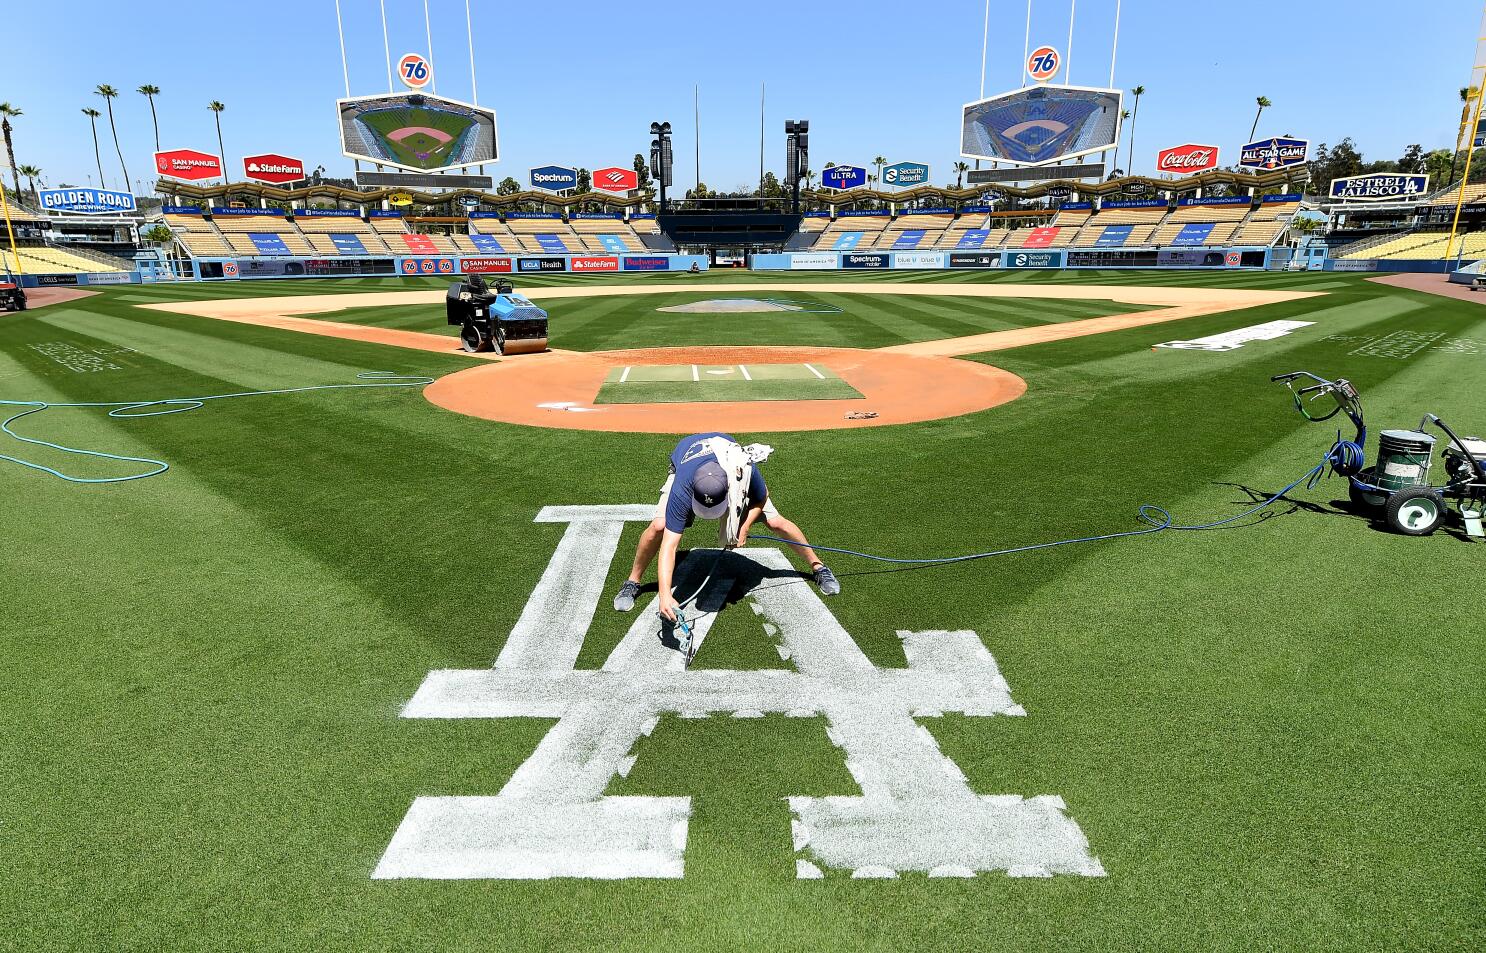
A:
(160, 408)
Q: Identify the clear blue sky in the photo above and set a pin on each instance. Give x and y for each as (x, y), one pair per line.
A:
(1377, 71)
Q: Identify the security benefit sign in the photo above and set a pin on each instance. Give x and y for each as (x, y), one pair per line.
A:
(85, 201)
(1277, 153)
(905, 174)
(1379, 187)
(843, 177)
(914, 810)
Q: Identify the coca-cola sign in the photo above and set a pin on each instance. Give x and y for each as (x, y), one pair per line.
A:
(1187, 159)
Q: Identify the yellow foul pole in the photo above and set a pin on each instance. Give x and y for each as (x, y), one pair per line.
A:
(1478, 83)
(20, 269)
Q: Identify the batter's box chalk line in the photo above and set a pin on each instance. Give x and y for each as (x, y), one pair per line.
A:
(915, 812)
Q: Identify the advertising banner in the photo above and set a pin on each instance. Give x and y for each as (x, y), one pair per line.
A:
(605, 215)
(1286, 197)
(1277, 153)
(1113, 236)
(1134, 203)
(485, 266)
(86, 201)
(1218, 200)
(979, 259)
(383, 213)
(526, 215)
(814, 261)
(427, 266)
(181, 209)
(554, 178)
(1187, 159)
(1379, 187)
(859, 212)
(336, 213)
(1041, 237)
(479, 214)
(646, 263)
(865, 260)
(844, 177)
(1033, 259)
(348, 244)
(594, 263)
(616, 179)
(905, 174)
(486, 243)
(187, 164)
(541, 264)
(51, 280)
(1190, 257)
(1076, 206)
(941, 210)
(1193, 233)
(219, 210)
(919, 259)
(272, 168)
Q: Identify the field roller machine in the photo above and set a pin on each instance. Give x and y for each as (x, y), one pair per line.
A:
(498, 320)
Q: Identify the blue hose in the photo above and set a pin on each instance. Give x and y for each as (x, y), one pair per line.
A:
(159, 408)
(1157, 519)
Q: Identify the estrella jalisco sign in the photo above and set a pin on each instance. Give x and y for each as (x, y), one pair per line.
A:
(86, 201)
(1379, 187)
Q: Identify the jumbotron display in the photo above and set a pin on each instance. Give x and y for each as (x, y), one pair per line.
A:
(1038, 125)
(417, 131)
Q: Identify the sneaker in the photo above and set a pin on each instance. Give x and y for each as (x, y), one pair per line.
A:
(624, 601)
(826, 580)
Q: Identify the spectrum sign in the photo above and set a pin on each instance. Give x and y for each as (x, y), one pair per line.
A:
(274, 169)
(188, 164)
(1187, 159)
(554, 178)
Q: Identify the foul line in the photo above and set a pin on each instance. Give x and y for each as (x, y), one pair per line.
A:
(811, 368)
(746, 376)
(625, 376)
(695, 374)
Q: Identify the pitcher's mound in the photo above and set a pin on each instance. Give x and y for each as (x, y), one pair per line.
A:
(748, 306)
(561, 389)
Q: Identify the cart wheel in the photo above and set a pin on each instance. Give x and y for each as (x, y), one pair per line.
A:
(1361, 499)
(1416, 511)
(500, 340)
(472, 340)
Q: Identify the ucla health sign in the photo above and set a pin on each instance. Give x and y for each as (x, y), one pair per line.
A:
(86, 201)
(1379, 187)
(844, 177)
(554, 178)
(906, 173)
(1277, 153)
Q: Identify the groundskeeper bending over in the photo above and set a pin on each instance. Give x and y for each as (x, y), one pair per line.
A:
(714, 478)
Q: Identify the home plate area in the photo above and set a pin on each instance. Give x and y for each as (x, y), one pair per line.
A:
(554, 817)
(667, 383)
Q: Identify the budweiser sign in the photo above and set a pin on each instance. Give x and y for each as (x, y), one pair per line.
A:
(1187, 159)
(272, 168)
(188, 164)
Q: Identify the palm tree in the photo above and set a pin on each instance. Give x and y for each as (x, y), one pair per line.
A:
(150, 91)
(880, 161)
(216, 109)
(1467, 93)
(1262, 102)
(6, 112)
(1139, 91)
(1124, 114)
(93, 115)
(32, 173)
(809, 176)
(109, 93)
(960, 169)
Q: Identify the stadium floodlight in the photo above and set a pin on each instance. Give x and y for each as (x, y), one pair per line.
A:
(797, 154)
(660, 157)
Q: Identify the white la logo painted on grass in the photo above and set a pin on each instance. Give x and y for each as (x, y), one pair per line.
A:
(916, 812)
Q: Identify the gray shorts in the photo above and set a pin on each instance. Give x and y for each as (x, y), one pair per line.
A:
(665, 495)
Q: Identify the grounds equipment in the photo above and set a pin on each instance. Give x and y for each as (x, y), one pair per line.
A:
(12, 295)
(1398, 483)
(501, 321)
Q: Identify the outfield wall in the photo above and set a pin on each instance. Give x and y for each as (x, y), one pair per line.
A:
(1014, 258)
(74, 279)
(434, 266)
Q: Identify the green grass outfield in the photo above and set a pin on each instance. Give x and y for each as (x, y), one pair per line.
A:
(385, 122)
(1271, 735)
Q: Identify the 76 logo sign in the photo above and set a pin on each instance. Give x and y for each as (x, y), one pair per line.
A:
(1043, 64)
(414, 70)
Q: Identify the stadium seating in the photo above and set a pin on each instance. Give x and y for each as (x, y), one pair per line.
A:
(1424, 245)
(266, 234)
(814, 223)
(969, 224)
(1151, 215)
(1192, 234)
(40, 259)
(914, 231)
(343, 234)
(1473, 193)
(857, 231)
(1209, 213)
(197, 236)
(606, 235)
(550, 236)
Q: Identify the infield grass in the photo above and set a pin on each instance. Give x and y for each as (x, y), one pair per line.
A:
(1271, 734)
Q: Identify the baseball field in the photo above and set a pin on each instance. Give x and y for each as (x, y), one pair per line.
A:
(346, 676)
(420, 138)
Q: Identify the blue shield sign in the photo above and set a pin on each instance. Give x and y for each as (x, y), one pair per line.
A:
(904, 174)
(844, 177)
(86, 201)
(554, 178)
(1379, 187)
(1276, 153)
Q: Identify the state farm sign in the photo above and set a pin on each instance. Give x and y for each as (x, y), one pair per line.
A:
(594, 264)
(1187, 159)
(187, 164)
(616, 180)
(273, 168)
